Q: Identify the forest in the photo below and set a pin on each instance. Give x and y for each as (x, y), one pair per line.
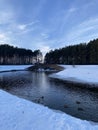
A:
(84, 54)
(15, 55)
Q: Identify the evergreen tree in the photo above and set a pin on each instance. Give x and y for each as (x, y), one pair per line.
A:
(76, 54)
(15, 55)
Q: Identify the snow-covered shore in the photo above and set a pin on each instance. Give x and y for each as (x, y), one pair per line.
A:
(13, 67)
(19, 114)
(79, 73)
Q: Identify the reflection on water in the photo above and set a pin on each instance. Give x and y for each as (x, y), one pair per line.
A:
(39, 88)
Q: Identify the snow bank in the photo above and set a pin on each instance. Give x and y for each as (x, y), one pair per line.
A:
(79, 73)
(13, 67)
(19, 114)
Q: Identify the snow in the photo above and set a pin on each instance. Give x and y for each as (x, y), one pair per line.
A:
(79, 73)
(13, 67)
(20, 114)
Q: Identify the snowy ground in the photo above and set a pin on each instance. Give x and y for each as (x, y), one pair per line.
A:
(79, 73)
(13, 67)
(19, 114)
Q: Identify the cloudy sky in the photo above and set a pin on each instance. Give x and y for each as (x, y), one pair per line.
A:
(47, 24)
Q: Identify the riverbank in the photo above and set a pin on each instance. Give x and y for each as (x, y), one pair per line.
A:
(9, 68)
(79, 74)
(46, 68)
(20, 114)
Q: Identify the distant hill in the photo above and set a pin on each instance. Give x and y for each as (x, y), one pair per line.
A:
(15, 55)
(84, 53)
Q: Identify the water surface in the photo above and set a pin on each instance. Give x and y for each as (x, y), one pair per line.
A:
(39, 88)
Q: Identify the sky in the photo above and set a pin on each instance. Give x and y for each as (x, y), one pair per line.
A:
(48, 24)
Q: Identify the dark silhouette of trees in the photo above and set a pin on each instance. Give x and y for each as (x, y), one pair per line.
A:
(15, 55)
(75, 54)
(38, 56)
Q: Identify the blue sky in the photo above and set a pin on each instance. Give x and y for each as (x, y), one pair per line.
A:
(47, 24)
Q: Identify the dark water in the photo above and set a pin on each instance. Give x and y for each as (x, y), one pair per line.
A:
(39, 88)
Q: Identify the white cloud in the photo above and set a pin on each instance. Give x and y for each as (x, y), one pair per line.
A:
(85, 29)
(22, 27)
(71, 10)
(90, 22)
(2, 36)
(45, 35)
(25, 28)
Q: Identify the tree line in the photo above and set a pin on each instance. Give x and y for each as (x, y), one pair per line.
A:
(84, 53)
(15, 55)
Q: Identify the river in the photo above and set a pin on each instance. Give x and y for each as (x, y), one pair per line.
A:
(39, 88)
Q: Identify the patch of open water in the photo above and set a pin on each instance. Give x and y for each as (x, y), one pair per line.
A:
(39, 88)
